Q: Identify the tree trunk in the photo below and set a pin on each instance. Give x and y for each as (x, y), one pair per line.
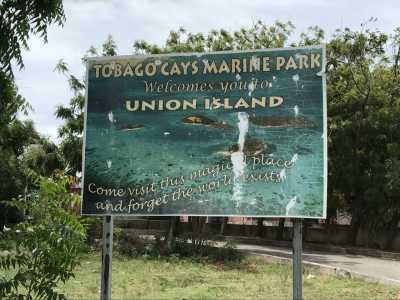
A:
(355, 226)
(329, 227)
(171, 232)
(260, 227)
(281, 228)
(392, 232)
(199, 234)
(306, 225)
(223, 225)
(356, 216)
(3, 216)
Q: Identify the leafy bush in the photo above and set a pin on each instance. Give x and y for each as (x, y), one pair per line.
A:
(223, 253)
(42, 250)
(94, 230)
(131, 244)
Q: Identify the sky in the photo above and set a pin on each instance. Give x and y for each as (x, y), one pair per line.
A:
(89, 22)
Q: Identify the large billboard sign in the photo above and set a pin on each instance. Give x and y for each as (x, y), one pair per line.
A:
(216, 134)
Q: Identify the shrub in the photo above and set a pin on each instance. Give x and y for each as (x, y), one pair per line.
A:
(209, 251)
(130, 244)
(42, 250)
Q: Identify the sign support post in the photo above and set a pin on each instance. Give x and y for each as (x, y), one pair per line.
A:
(297, 260)
(106, 265)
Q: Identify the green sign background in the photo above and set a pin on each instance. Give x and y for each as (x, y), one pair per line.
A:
(216, 134)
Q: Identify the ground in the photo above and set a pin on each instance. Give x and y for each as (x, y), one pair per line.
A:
(384, 269)
(177, 278)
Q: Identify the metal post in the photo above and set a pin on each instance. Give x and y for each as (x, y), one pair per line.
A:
(106, 266)
(297, 263)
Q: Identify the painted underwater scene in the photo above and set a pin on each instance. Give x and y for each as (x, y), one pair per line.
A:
(244, 161)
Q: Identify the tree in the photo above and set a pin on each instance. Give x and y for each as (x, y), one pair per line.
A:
(257, 36)
(71, 132)
(364, 109)
(20, 19)
(22, 150)
(14, 136)
(43, 158)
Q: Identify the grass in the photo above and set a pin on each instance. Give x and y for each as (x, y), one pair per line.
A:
(175, 278)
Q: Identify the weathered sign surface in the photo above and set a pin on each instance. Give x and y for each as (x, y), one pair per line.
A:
(217, 134)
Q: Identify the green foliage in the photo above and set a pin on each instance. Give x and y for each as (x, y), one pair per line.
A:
(10, 103)
(21, 18)
(72, 130)
(132, 245)
(364, 131)
(43, 158)
(257, 36)
(94, 229)
(15, 135)
(22, 151)
(109, 47)
(226, 252)
(43, 250)
(314, 36)
(18, 20)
